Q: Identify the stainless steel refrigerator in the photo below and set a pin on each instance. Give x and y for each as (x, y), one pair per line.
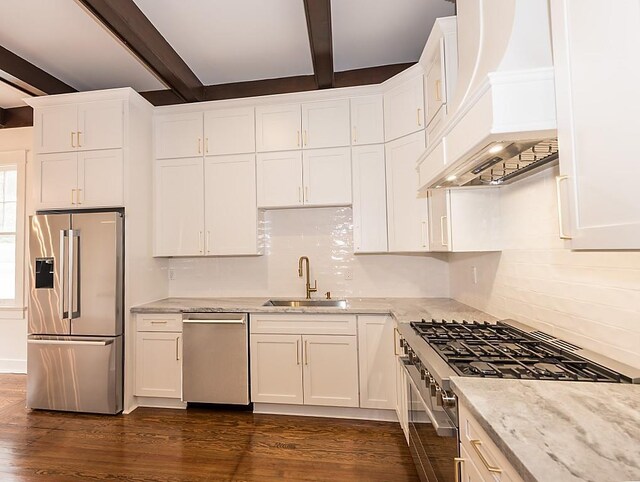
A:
(75, 342)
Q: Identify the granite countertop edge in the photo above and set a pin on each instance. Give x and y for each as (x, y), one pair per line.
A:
(513, 459)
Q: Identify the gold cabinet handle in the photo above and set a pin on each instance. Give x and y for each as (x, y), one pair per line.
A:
(442, 223)
(72, 194)
(78, 133)
(297, 138)
(476, 446)
(208, 244)
(199, 145)
(78, 198)
(457, 462)
(306, 353)
(424, 234)
(306, 193)
(355, 137)
(206, 145)
(299, 194)
(559, 180)
(178, 348)
(72, 141)
(158, 322)
(304, 136)
(297, 352)
(438, 90)
(200, 241)
(419, 117)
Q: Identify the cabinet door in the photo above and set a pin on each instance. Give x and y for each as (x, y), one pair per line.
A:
(276, 369)
(231, 215)
(439, 213)
(100, 178)
(402, 398)
(55, 128)
(158, 369)
(597, 73)
(404, 109)
(369, 199)
(406, 211)
(179, 207)
(435, 82)
(367, 122)
(178, 135)
(325, 124)
(278, 128)
(327, 177)
(468, 470)
(330, 370)
(57, 180)
(279, 177)
(100, 125)
(229, 131)
(377, 362)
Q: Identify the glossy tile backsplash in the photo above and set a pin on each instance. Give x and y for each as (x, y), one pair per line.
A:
(325, 236)
(589, 298)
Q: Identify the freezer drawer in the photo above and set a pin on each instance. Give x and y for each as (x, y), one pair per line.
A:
(79, 374)
(215, 365)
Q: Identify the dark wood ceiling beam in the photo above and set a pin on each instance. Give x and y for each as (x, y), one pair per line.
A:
(16, 117)
(283, 85)
(318, 13)
(135, 30)
(31, 75)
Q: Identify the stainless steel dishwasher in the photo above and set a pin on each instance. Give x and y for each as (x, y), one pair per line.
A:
(215, 364)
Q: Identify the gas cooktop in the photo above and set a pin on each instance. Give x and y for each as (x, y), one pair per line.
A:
(503, 351)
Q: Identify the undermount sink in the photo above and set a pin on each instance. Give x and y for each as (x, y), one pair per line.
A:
(301, 303)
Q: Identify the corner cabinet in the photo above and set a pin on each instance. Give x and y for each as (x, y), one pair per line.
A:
(158, 347)
(597, 73)
(304, 359)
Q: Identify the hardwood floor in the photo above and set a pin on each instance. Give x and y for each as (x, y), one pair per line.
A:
(192, 445)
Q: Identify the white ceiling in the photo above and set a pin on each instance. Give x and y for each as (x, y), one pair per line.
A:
(61, 38)
(367, 33)
(222, 41)
(10, 97)
(232, 41)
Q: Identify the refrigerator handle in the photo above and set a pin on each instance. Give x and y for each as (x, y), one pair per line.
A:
(74, 268)
(63, 235)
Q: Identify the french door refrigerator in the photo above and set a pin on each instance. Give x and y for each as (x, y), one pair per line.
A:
(75, 342)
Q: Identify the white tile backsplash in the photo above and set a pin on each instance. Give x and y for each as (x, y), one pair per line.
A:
(588, 298)
(325, 236)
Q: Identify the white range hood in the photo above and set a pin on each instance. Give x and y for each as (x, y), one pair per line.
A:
(503, 115)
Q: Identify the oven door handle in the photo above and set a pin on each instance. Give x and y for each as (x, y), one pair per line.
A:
(441, 423)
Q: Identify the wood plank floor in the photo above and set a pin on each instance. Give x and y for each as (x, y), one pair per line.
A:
(192, 445)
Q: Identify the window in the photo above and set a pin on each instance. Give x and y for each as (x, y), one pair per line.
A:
(12, 166)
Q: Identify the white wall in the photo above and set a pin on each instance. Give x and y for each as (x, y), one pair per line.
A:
(13, 332)
(589, 298)
(325, 236)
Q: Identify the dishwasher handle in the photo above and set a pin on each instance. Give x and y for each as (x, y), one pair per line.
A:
(216, 319)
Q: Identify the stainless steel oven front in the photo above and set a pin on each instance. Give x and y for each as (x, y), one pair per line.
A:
(433, 436)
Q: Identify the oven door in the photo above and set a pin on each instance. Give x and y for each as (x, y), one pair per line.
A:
(433, 438)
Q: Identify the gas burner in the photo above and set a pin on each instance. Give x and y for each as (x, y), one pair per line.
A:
(551, 370)
(483, 368)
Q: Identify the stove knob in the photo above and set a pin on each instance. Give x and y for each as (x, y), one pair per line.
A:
(432, 386)
(438, 396)
(423, 373)
(447, 400)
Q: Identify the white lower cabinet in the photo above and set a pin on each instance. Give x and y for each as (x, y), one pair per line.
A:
(377, 362)
(402, 397)
(158, 347)
(304, 360)
(468, 471)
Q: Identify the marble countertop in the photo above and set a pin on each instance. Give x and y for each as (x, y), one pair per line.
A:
(559, 431)
(402, 309)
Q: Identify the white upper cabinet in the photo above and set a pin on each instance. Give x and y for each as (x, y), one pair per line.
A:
(229, 131)
(231, 220)
(326, 177)
(278, 128)
(178, 135)
(369, 199)
(83, 126)
(179, 207)
(404, 109)
(597, 74)
(407, 213)
(80, 179)
(466, 219)
(325, 124)
(279, 177)
(367, 126)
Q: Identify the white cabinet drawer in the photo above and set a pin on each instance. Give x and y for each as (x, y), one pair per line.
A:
(159, 322)
(480, 449)
(303, 324)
